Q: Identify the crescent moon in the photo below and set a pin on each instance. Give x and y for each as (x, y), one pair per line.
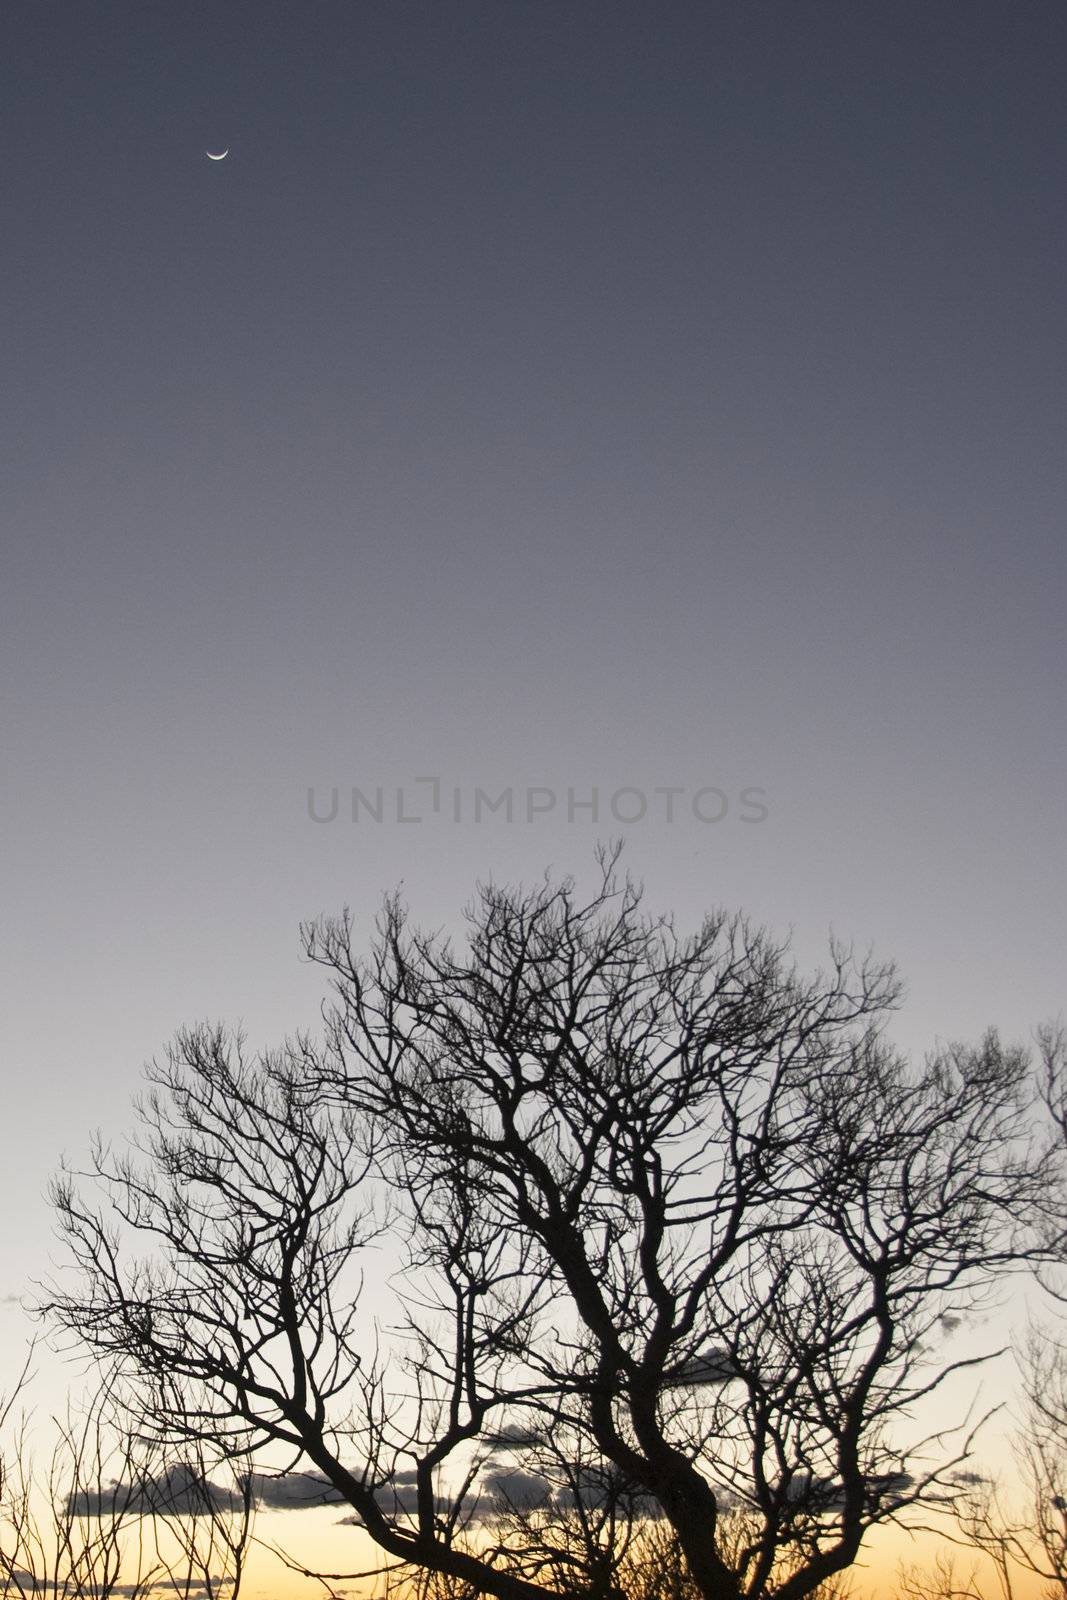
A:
(221, 155)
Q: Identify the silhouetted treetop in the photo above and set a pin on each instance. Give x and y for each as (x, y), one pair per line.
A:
(676, 1234)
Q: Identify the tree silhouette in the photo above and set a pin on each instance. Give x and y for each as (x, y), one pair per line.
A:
(101, 1514)
(1023, 1528)
(672, 1226)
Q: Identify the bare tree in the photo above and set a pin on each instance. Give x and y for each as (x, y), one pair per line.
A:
(1023, 1528)
(1042, 1450)
(72, 1529)
(104, 1513)
(1020, 1525)
(941, 1580)
(202, 1512)
(658, 1198)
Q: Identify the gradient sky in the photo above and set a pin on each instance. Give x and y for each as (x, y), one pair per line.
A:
(539, 394)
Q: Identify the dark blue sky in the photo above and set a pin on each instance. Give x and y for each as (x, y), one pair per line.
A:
(539, 394)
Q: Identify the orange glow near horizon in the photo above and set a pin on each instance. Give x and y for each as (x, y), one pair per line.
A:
(324, 1542)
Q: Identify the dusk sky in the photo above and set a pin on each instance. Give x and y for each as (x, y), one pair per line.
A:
(538, 396)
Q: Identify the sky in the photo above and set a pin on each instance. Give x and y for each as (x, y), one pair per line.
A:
(540, 398)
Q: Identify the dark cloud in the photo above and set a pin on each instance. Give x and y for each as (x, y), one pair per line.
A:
(399, 1497)
(181, 1491)
(501, 1489)
(816, 1493)
(514, 1436)
(514, 1488)
(295, 1491)
(888, 1483)
(19, 1579)
(708, 1367)
(598, 1494)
